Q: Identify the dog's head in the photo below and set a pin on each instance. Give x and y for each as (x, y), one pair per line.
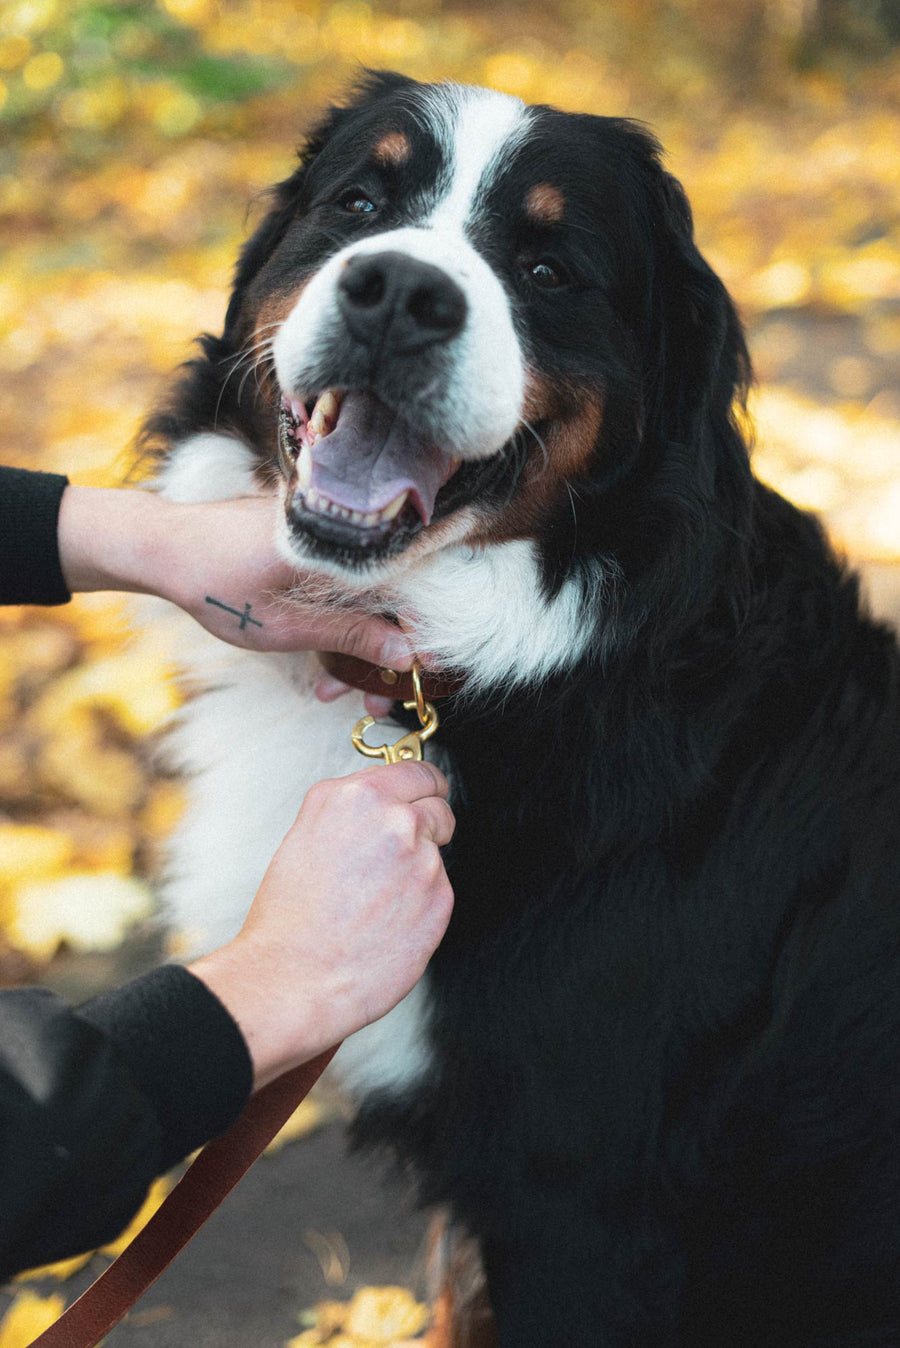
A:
(470, 320)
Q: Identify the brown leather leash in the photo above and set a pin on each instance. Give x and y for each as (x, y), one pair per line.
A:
(225, 1160)
(195, 1198)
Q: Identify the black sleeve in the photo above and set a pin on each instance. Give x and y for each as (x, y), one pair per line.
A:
(95, 1102)
(30, 571)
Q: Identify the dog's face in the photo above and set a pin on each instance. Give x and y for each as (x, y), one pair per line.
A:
(460, 308)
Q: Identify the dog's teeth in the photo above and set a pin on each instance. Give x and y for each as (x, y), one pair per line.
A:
(325, 414)
(304, 468)
(391, 511)
(323, 505)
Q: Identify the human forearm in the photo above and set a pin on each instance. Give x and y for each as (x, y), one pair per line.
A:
(115, 540)
(217, 561)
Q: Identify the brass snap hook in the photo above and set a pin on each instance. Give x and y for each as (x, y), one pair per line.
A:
(409, 746)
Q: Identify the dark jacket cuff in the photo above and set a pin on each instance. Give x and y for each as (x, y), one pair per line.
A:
(30, 570)
(184, 1052)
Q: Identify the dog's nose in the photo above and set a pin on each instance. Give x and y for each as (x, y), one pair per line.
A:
(395, 302)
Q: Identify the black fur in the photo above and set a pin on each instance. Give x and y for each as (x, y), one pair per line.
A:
(666, 1013)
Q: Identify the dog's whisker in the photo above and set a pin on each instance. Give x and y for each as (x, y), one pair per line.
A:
(248, 356)
(254, 368)
(545, 453)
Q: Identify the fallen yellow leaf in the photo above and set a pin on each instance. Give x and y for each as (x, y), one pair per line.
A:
(306, 1118)
(28, 1316)
(62, 1270)
(376, 1317)
(30, 852)
(131, 687)
(75, 761)
(155, 1197)
(89, 911)
(385, 1313)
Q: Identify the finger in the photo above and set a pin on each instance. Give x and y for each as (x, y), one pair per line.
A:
(438, 818)
(327, 689)
(374, 640)
(378, 706)
(407, 782)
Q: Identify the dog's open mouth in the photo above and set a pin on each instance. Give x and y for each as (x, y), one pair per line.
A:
(359, 472)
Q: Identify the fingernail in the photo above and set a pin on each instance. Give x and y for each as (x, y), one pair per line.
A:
(396, 651)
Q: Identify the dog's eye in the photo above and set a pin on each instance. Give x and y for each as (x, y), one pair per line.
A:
(544, 274)
(357, 204)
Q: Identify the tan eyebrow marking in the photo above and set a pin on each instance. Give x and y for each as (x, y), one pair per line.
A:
(545, 203)
(393, 149)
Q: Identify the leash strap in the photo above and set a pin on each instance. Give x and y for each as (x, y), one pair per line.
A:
(195, 1198)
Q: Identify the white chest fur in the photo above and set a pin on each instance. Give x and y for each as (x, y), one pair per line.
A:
(253, 744)
(250, 747)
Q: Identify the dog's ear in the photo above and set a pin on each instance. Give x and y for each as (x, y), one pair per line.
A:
(701, 363)
(287, 197)
(696, 361)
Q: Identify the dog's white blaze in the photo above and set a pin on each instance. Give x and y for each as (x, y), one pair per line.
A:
(478, 129)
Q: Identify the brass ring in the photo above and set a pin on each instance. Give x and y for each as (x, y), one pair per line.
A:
(419, 695)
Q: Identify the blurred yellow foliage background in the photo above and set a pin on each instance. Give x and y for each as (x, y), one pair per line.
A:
(137, 140)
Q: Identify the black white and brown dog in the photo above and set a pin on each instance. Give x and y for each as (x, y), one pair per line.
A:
(653, 1067)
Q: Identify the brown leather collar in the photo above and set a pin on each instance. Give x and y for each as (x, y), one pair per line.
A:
(371, 679)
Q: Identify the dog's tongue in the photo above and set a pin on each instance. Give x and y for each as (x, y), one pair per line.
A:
(372, 456)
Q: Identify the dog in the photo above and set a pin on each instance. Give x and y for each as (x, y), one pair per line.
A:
(652, 1068)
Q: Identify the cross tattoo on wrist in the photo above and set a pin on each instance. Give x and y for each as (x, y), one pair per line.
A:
(244, 617)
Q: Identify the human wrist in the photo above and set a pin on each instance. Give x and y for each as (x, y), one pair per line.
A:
(281, 1027)
(115, 539)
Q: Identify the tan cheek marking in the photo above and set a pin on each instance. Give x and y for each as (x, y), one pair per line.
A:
(272, 312)
(575, 419)
(393, 149)
(545, 204)
(275, 309)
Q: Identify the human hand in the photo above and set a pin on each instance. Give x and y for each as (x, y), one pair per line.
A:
(218, 562)
(350, 910)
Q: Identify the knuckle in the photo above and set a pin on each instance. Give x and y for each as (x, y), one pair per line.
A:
(363, 791)
(431, 777)
(404, 827)
(320, 791)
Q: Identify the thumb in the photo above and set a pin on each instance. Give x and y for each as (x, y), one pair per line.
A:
(374, 640)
